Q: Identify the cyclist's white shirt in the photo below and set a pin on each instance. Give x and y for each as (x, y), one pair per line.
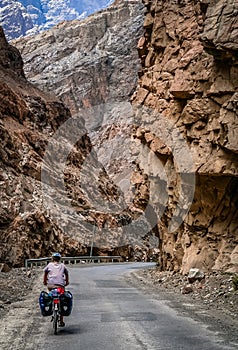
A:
(56, 273)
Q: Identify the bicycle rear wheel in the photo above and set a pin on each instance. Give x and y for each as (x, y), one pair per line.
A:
(55, 321)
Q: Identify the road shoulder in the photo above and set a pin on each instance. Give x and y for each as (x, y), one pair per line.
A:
(217, 316)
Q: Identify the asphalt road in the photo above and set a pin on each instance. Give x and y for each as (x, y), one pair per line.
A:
(109, 313)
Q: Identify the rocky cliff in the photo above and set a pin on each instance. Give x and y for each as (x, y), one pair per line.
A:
(52, 184)
(89, 62)
(189, 83)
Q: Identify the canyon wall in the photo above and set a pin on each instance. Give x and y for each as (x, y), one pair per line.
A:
(52, 184)
(189, 82)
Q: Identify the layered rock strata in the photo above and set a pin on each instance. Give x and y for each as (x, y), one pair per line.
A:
(189, 82)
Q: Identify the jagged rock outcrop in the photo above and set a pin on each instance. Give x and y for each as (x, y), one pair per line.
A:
(189, 79)
(52, 184)
(28, 17)
(219, 36)
(25, 228)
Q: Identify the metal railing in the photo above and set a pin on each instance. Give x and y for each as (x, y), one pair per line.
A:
(72, 260)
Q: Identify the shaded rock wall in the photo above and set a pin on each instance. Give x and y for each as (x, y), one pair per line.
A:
(189, 77)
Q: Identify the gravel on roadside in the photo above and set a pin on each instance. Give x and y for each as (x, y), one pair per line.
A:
(15, 286)
(211, 301)
(215, 291)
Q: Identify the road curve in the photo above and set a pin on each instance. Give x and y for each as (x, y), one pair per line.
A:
(109, 314)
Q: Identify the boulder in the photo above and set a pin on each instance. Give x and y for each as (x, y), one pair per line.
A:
(4, 267)
(194, 275)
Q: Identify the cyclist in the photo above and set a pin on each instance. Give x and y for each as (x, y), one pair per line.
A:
(56, 275)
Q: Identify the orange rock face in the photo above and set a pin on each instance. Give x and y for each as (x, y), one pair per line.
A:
(189, 78)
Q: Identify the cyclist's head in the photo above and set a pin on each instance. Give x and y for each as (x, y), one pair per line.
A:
(56, 256)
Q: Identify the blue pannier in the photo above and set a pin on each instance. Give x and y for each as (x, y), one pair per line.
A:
(66, 303)
(46, 304)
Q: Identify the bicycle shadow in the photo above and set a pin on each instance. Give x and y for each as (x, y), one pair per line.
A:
(71, 329)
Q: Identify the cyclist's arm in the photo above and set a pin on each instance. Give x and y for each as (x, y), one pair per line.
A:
(66, 277)
(45, 278)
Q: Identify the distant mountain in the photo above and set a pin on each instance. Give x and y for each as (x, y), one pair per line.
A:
(26, 17)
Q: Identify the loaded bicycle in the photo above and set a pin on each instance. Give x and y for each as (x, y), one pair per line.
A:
(56, 303)
(55, 293)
